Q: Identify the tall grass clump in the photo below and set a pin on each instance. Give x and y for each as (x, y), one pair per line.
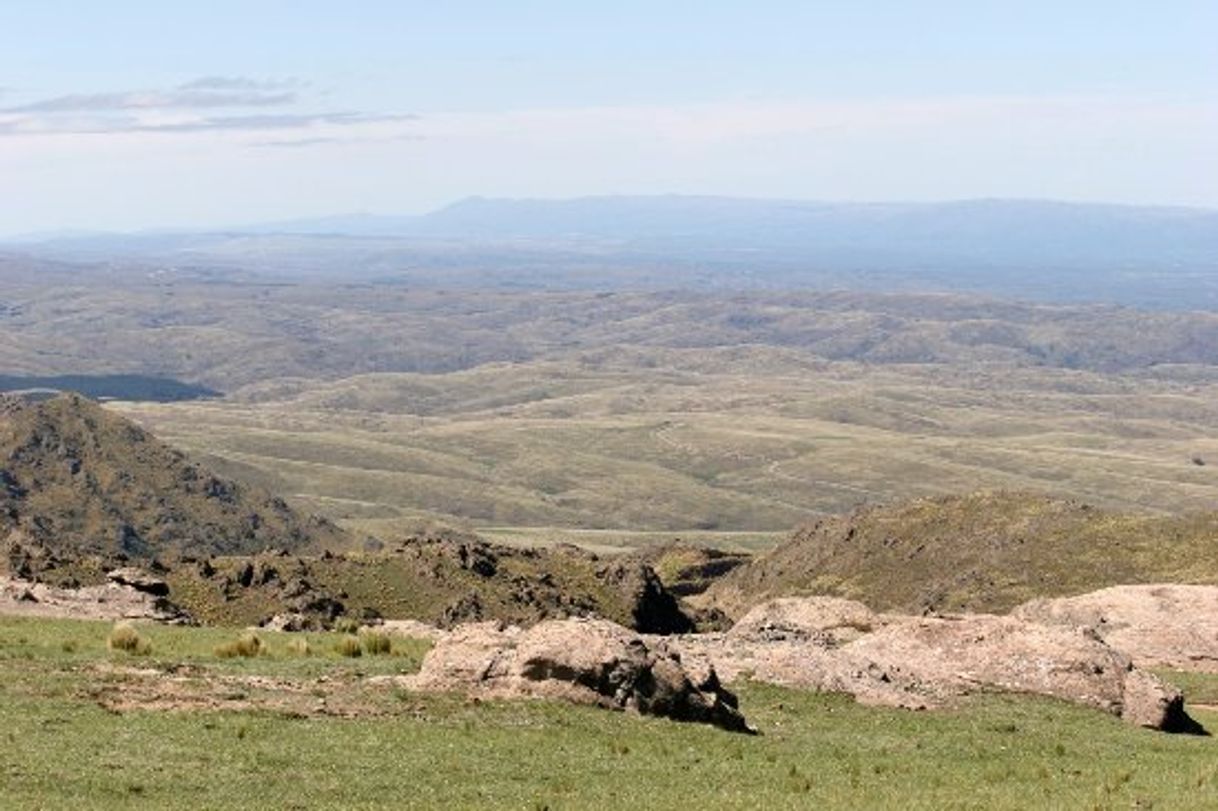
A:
(300, 647)
(247, 646)
(376, 643)
(349, 646)
(124, 637)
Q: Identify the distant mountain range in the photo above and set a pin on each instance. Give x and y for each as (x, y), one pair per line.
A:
(993, 230)
(1156, 256)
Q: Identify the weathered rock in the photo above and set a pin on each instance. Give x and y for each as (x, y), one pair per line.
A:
(466, 608)
(830, 619)
(1148, 702)
(584, 661)
(291, 622)
(653, 609)
(926, 662)
(318, 604)
(113, 601)
(1161, 625)
(956, 655)
(139, 580)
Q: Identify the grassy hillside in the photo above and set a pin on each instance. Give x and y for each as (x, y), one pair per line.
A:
(988, 551)
(78, 478)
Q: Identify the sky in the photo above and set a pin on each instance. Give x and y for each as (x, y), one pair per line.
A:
(123, 115)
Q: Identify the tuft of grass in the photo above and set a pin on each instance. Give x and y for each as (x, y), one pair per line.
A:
(349, 646)
(347, 625)
(124, 637)
(376, 643)
(300, 647)
(247, 646)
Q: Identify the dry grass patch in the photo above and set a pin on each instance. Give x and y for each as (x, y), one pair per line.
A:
(376, 643)
(124, 637)
(300, 647)
(349, 646)
(248, 645)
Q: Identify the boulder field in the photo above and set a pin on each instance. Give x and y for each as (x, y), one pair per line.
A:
(1093, 649)
(819, 643)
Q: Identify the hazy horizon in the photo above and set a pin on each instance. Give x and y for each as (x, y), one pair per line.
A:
(182, 228)
(135, 115)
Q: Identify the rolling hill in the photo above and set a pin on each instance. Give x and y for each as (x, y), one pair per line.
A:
(988, 551)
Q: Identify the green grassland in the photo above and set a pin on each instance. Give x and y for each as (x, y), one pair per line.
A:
(65, 750)
(670, 442)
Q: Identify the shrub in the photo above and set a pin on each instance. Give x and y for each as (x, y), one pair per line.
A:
(124, 637)
(300, 647)
(247, 645)
(349, 646)
(376, 643)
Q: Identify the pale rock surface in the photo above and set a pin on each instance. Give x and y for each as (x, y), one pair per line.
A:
(584, 661)
(927, 662)
(1160, 625)
(112, 601)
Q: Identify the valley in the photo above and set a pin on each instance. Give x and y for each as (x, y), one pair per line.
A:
(754, 440)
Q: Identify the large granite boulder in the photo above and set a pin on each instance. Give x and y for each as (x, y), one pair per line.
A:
(585, 661)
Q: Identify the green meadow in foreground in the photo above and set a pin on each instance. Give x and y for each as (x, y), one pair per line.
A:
(65, 748)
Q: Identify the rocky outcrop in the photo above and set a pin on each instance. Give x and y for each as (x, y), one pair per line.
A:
(1161, 625)
(584, 661)
(113, 601)
(830, 620)
(139, 580)
(653, 609)
(925, 662)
